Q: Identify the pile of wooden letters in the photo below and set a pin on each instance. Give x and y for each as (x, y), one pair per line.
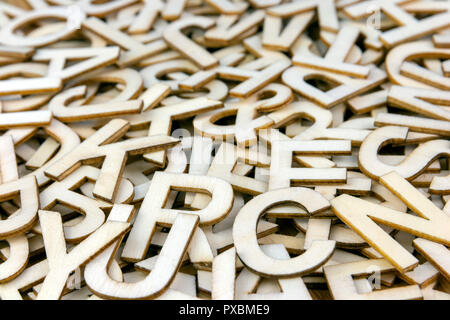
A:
(224, 149)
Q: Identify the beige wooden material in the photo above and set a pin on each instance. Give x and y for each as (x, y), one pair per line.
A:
(246, 244)
(133, 51)
(222, 240)
(397, 57)
(31, 275)
(227, 29)
(60, 263)
(389, 198)
(437, 254)
(228, 221)
(88, 112)
(23, 219)
(8, 166)
(153, 96)
(356, 184)
(146, 18)
(92, 59)
(228, 7)
(9, 37)
(99, 265)
(223, 275)
(422, 74)
(162, 274)
(43, 154)
(410, 28)
(361, 216)
(320, 170)
(326, 9)
(16, 52)
(429, 293)
(340, 281)
(100, 145)
(24, 119)
(177, 162)
(417, 124)
(415, 30)
(333, 61)
(423, 101)
(17, 258)
(293, 245)
(264, 57)
(174, 37)
(30, 86)
(152, 211)
(440, 185)
(67, 138)
(94, 217)
(368, 102)
(182, 287)
(200, 161)
(303, 109)
(308, 161)
(423, 275)
(125, 193)
(98, 9)
(128, 80)
(295, 77)
(414, 164)
(282, 174)
(291, 289)
(252, 80)
(318, 230)
(152, 74)
(24, 85)
(173, 9)
(264, 3)
(276, 39)
(246, 110)
(160, 119)
(200, 252)
(222, 167)
(446, 68)
(425, 179)
(441, 41)
(197, 80)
